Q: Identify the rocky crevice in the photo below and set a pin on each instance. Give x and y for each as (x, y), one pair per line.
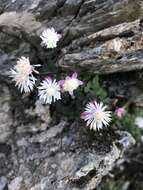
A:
(98, 36)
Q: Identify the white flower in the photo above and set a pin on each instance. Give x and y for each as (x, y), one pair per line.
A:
(96, 116)
(70, 83)
(139, 122)
(22, 74)
(50, 38)
(49, 91)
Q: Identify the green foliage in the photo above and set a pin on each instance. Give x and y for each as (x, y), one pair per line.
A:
(128, 122)
(111, 184)
(90, 90)
(93, 86)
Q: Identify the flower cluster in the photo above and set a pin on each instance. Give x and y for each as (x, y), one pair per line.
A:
(50, 90)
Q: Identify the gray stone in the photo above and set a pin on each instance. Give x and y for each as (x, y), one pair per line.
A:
(6, 119)
(3, 182)
(86, 29)
(15, 184)
(58, 156)
(43, 113)
(45, 161)
(98, 36)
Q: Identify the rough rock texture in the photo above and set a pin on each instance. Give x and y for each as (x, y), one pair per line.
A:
(61, 156)
(99, 36)
(5, 115)
(38, 155)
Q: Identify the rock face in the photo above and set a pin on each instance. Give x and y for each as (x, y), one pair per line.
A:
(62, 157)
(36, 155)
(5, 115)
(98, 36)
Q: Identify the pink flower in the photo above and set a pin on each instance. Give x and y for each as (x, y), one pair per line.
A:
(96, 116)
(120, 112)
(70, 83)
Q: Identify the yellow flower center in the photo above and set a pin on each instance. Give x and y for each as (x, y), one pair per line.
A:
(70, 85)
(50, 91)
(98, 115)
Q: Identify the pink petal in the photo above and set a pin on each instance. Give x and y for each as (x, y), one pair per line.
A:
(95, 103)
(120, 112)
(48, 78)
(68, 78)
(59, 36)
(80, 82)
(74, 75)
(83, 115)
(61, 82)
(71, 93)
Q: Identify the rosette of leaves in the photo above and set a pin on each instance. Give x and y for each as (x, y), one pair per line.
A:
(95, 89)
